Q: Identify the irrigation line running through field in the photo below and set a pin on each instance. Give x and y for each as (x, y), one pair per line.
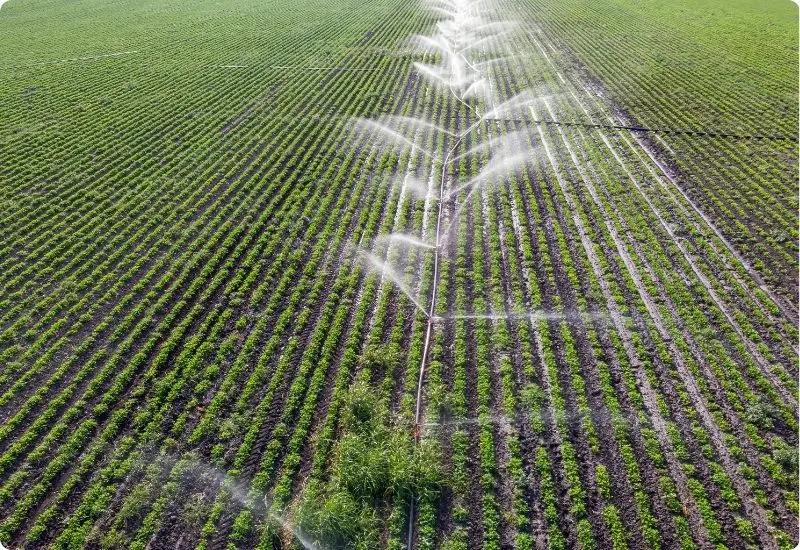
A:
(691, 133)
(431, 317)
(72, 59)
(589, 125)
(338, 69)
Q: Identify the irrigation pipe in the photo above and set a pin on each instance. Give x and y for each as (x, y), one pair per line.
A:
(691, 133)
(430, 317)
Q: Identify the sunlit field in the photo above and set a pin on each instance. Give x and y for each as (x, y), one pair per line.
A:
(446, 274)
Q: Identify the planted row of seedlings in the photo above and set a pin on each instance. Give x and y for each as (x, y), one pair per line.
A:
(119, 330)
(723, 378)
(598, 369)
(758, 212)
(185, 358)
(708, 501)
(169, 171)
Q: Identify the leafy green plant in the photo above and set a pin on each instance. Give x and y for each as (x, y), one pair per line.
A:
(376, 465)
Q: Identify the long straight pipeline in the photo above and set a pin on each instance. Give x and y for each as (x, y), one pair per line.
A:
(431, 317)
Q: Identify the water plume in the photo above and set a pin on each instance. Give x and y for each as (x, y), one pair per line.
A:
(378, 129)
(304, 541)
(474, 150)
(408, 239)
(415, 124)
(246, 500)
(504, 145)
(536, 315)
(491, 61)
(497, 166)
(401, 130)
(501, 163)
(383, 267)
(439, 43)
(191, 472)
(503, 26)
(515, 141)
(514, 106)
(440, 76)
(448, 28)
(462, 76)
(454, 74)
(478, 88)
(415, 186)
(481, 42)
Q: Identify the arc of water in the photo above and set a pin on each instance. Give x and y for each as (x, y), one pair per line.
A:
(390, 133)
(417, 187)
(503, 143)
(408, 239)
(304, 541)
(477, 43)
(491, 61)
(474, 88)
(385, 269)
(440, 75)
(506, 26)
(416, 124)
(440, 44)
(502, 166)
(518, 102)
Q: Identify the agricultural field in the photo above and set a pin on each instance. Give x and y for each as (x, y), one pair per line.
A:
(433, 274)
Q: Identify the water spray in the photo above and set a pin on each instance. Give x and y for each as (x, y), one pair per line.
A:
(464, 31)
(383, 267)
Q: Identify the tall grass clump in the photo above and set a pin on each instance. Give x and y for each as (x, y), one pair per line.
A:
(377, 464)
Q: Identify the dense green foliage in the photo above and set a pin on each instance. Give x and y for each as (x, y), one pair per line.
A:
(194, 355)
(717, 66)
(377, 466)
